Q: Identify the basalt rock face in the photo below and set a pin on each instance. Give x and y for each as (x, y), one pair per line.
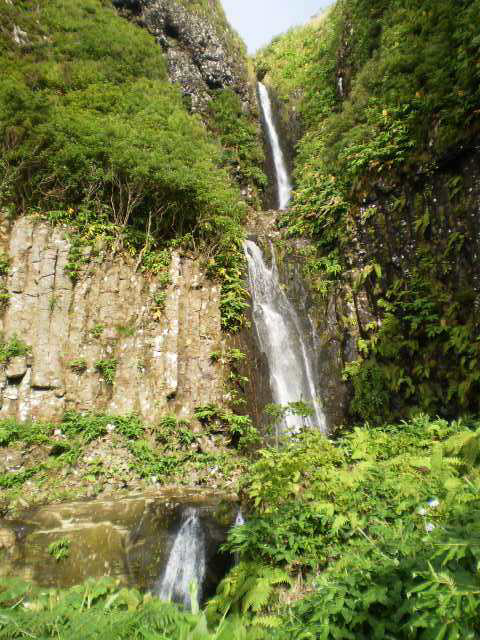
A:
(162, 356)
(203, 53)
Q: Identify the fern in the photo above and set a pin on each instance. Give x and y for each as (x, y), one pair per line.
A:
(248, 589)
(466, 445)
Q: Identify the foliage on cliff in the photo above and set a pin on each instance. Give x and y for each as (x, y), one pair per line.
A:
(90, 125)
(390, 106)
(88, 117)
(243, 154)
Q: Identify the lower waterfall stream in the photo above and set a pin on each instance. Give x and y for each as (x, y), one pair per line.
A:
(281, 339)
(186, 563)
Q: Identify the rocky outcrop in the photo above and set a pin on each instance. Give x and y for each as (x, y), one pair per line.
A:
(160, 357)
(202, 51)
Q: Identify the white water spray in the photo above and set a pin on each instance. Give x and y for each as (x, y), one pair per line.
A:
(284, 185)
(239, 520)
(282, 341)
(186, 563)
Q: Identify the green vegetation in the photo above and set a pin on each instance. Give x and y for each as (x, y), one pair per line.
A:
(101, 610)
(65, 104)
(60, 549)
(4, 264)
(166, 453)
(79, 365)
(107, 369)
(229, 268)
(126, 331)
(13, 348)
(240, 430)
(388, 96)
(240, 138)
(377, 533)
(94, 137)
(97, 330)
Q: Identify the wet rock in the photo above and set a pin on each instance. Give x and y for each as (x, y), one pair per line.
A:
(128, 539)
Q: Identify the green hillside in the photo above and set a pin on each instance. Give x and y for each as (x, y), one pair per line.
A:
(386, 180)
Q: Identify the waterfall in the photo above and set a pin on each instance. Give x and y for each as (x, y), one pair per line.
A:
(284, 186)
(186, 563)
(282, 341)
(239, 520)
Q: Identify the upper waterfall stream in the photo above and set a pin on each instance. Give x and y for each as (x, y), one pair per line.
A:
(282, 341)
(284, 185)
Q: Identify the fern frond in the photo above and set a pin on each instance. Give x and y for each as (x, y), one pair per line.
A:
(269, 622)
(258, 597)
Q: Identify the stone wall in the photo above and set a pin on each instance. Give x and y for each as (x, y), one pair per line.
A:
(163, 356)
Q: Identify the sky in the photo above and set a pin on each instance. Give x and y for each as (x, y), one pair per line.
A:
(258, 21)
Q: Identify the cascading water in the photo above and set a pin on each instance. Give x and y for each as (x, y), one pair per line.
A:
(284, 185)
(186, 563)
(239, 520)
(281, 340)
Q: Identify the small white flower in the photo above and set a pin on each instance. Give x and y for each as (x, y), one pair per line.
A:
(110, 428)
(433, 503)
(429, 527)
(422, 511)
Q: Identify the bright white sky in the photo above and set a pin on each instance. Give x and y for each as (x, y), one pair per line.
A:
(258, 21)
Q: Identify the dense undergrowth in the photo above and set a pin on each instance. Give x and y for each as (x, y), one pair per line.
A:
(373, 535)
(59, 460)
(389, 104)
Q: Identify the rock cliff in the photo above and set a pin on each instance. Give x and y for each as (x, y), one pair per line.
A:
(160, 357)
(202, 50)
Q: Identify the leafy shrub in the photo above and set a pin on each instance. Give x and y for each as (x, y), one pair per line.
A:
(91, 426)
(77, 114)
(240, 137)
(240, 428)
(149, 463)
(101, 609)
(13, 348)
(79, 365)
(246, 591)
(107, 369)
(60, 549)
(313, 496)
